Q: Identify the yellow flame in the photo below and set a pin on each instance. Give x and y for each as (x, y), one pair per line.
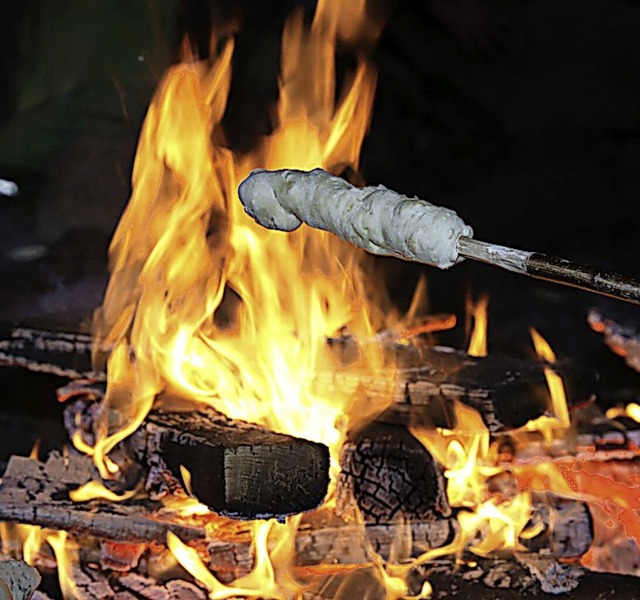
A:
(631, 410)
(66, 554)
(95, 490)
(21, 541)
(270, 578)
(204, 301)
(469, 459)
(560, 421)
(478, 339)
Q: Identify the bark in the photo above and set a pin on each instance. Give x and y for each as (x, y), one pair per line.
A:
(388, 474)
(18, 580)
(237, 469)
(37, 493)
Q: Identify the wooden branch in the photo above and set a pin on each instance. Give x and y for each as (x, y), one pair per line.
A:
(554, 269)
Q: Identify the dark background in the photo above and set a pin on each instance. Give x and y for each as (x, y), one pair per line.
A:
(523, 116)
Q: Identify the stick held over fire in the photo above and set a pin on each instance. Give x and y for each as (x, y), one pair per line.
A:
(384, 222)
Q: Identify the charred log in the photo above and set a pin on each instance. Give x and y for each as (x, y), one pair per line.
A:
(428, 379)
(236, 469)
(36, 493)
(389, 474)
(58, 353)
(507, 392)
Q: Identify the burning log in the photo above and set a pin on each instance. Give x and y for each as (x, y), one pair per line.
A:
(236, 469)
(428, 379)
(36, 493)
(388, 474)
(507, 392)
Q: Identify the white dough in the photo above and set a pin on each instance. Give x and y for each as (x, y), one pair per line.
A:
(374, 218)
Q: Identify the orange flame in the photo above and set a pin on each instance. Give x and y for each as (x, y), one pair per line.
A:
(478, 338)
(270, 578)
(204, 301)
(549, 426)
(469, 460)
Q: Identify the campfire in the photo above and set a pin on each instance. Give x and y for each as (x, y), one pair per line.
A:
(258, 421)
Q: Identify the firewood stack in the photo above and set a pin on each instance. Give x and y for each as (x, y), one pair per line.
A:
(388, 480)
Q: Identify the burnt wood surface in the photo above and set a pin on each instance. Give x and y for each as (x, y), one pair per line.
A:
(236, 469)
(58, 353)
(37, 493)
(389, 474)
(507, 392)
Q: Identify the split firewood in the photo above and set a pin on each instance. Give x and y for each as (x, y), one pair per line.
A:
(235, 468)
(18, 580)
(384, 222)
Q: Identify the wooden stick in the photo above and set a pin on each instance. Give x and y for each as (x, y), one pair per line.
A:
(551, 268)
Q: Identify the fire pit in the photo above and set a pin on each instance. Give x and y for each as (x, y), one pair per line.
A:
(251, 418)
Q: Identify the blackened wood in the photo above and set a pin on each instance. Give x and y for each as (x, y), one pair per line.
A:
(236, 469)
(507, 392)
(389, 474)
(325, 539)
(58, 353)
(36, 493)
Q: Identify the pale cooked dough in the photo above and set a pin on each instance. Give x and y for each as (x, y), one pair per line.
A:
(374, 218)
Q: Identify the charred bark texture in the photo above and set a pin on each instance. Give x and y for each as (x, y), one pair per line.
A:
(389, 474)
(237, 469)
(507, 392)
(57, 353)
(36, 493)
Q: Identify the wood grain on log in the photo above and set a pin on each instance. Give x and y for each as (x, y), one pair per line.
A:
(237, 469)
(507, 392)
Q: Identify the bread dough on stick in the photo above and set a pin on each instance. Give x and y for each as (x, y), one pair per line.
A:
(374, 218)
